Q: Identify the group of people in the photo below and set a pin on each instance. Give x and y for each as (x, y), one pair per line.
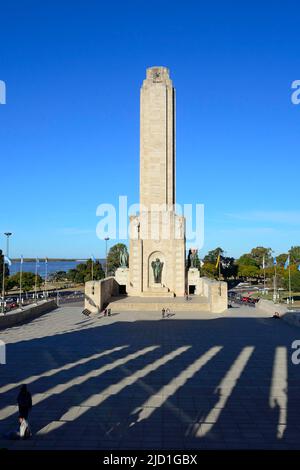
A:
(24, 404)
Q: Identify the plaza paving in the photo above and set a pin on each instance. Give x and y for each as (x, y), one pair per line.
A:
(133, 380)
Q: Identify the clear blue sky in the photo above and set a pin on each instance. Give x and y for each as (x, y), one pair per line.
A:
(69, 133)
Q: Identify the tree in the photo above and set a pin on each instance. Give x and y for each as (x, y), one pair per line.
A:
(6, 270)
(58, 276)
(113, 257)
(229, 268)
(259, 253)
(28, 281)
(247, 260)
(209, 270)
(212, 255)
(295, 279)
(83, 272)
(294, 253)
(270, 272)
(281, 259)
(247, 271)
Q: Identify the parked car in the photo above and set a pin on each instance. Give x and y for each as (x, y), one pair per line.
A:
(11, 305)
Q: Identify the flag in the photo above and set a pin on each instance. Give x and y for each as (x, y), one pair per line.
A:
(37, 261)
(263, 264)
(7, 260)
(21, 259)
(275, 262)
(46, 260)
(93, 259)
(287, 263)
(201, 263)
(218, 261)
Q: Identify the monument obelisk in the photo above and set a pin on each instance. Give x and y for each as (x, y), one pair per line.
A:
(157, 235)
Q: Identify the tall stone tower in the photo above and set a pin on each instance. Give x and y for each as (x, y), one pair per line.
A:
(157, 139)
(157, 234)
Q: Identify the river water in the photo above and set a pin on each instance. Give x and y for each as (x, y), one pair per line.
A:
(52, 266)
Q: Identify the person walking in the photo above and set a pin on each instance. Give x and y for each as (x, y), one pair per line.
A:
(163, 313)
(23, 431)
(24, 402)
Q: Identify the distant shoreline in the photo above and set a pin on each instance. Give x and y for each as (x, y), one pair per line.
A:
(33, 260)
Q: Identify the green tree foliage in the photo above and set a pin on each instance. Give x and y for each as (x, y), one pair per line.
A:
(281, 259)
(83, 272)
(113, 257)
(294, 253)
(250, 264)
(28, 281)
(6, 270)
(212, 255)
(258, 253)
(247, 260)
(209, 270)
(295, 279)
(280, 273)
(58, 276)
(229, 268)
(247, 271)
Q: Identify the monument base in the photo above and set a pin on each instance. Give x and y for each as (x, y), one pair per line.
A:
(158, 293)
(156, 304)
(212, 298)
(122, 276)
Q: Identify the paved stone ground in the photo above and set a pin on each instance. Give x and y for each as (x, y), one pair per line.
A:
(136, 381)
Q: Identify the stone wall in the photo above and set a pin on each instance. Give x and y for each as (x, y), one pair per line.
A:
(194, 279)
(269, 307)
(216, 292)
(28, 313)
(98, 293)
(122, 276)
(289, 316)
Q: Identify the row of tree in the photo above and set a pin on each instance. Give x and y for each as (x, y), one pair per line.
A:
(256, 264)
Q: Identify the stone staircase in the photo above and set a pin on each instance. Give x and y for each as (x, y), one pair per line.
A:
(174, 304)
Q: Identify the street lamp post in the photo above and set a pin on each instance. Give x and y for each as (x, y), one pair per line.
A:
(21, 273)
(35, 279)
(106, 240)
(3, 285)
(46, 278)
(7, 234)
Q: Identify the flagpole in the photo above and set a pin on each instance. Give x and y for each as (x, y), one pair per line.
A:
(46, 275)
(35, 281)
(275, 284)
(264, 268)
(20, 293)
(92, 269)
(3, 285)
(290, 284)
(220, 289)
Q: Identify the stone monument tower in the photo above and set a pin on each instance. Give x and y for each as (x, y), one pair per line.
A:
(157, 234)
